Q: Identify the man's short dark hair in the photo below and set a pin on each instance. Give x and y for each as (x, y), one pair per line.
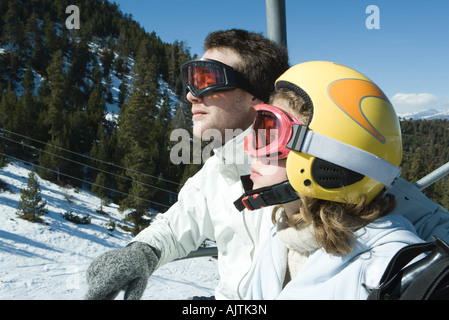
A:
(263, 61)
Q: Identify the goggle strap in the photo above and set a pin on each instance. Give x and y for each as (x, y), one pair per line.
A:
(267, 196)
(344, 155)
(245, 85)
(299, 132)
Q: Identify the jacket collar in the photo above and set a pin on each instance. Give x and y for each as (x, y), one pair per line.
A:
(232, 151)
(233, 160)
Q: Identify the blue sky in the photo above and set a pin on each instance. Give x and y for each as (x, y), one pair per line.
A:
(408, 57)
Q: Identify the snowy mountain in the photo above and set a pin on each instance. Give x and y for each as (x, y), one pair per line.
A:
(48, 260)
(429, 114)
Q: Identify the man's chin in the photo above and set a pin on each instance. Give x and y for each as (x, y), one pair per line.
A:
(198, 129)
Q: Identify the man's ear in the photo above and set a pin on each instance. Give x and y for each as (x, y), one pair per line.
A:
(255, 101)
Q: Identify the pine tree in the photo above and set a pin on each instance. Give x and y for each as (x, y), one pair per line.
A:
(8, 104)
(95, 111)
(123, 88)
(136, 135)
(78, 73)
(31, 206)
(41, 54)
(80, 135)
(99, 190)
(104, 150)
(107, 59)
(26, 115)
(53, 162)
(51, 37)
(146, 76)
(58, 88)
(31, 31)
(52, 165)
(418, 166)
(14, 30)
(136, 143)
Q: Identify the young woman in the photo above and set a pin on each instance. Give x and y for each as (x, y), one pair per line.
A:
(326, 152)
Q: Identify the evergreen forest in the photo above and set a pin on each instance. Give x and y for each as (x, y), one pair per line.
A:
(58, 87)
(426, 148)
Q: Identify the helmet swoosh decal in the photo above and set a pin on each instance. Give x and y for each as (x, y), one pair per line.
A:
(348, 95)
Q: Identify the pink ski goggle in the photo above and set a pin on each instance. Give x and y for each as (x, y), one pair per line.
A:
(272, 130)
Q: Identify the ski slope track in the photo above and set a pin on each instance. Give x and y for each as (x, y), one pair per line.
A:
(48, 260)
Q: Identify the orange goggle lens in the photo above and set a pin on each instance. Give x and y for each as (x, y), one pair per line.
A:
(205, 76)
(272, 130)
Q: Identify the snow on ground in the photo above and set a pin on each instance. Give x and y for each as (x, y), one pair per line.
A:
(48, 260)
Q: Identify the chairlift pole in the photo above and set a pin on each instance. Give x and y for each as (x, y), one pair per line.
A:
(433, 177)
(276, 21)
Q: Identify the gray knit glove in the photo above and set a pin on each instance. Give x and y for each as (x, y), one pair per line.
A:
(126, 269)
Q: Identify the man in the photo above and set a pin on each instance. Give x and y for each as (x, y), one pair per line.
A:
(237, 71)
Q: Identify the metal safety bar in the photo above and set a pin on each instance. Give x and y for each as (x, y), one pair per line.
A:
(433, 177)
(202, 252)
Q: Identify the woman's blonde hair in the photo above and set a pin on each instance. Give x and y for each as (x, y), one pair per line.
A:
(334, 223)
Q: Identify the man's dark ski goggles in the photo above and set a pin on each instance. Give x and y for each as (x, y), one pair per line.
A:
(206, 76)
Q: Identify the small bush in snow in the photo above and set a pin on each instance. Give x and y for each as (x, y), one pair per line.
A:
(73, 217)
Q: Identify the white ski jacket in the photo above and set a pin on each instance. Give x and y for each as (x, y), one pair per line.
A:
(205, 210)
(429, 218)
(325, 276)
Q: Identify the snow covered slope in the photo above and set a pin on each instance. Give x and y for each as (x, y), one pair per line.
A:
(49, 260)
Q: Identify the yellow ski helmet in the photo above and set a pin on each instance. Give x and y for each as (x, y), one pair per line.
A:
(352, 145)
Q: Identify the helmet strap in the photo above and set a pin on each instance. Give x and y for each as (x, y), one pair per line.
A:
(264, 197)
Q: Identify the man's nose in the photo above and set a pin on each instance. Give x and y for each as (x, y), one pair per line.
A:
(193, 99)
